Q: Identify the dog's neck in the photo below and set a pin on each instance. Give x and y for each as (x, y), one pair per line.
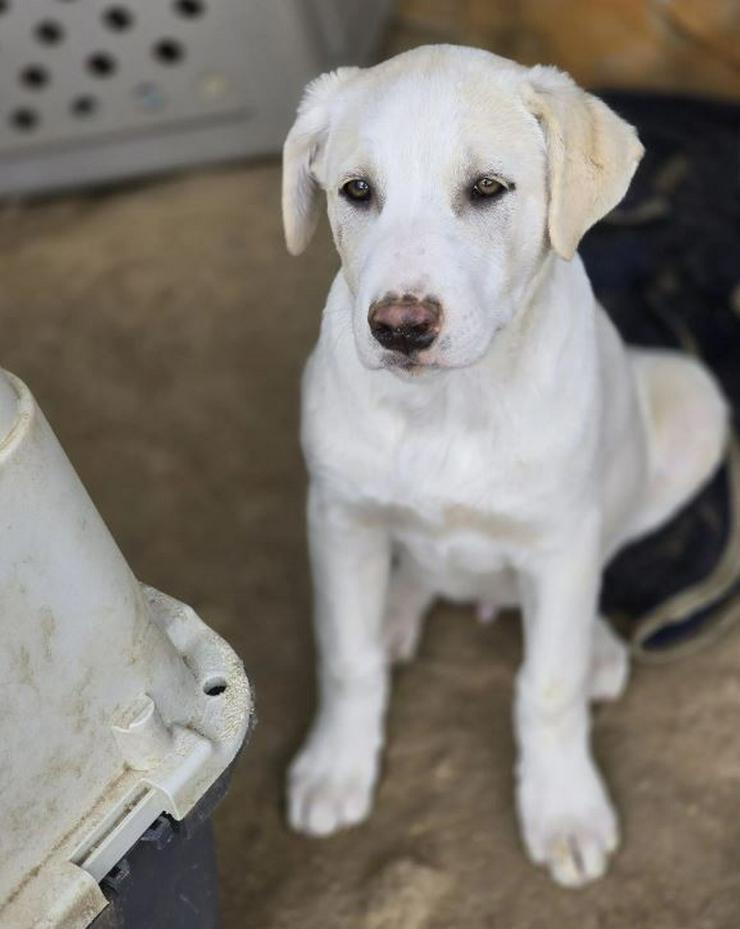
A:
(555, 311)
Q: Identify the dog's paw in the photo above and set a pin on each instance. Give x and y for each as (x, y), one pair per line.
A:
(330, 786)
(610, 666)
(578, 853)
(571, 830)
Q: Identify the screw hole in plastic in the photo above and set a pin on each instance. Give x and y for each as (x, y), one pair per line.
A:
(118, 18)
(190, 9)
(101, 64)
(34, 77)
(84, 106)
(49, 32)
(24, 119)
(169, 51)
(214, 686)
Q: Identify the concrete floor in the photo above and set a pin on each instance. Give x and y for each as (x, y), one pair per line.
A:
(163, 329)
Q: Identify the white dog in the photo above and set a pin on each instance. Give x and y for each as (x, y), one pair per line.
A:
(473, 425)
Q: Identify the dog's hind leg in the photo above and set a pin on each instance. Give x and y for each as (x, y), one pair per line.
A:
(609, 663)
(408, 600)
(687, 425)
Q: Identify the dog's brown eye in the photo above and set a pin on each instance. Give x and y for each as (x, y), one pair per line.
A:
(486, 188)
(358, 190)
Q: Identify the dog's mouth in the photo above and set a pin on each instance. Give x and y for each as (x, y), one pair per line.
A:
(408, 365)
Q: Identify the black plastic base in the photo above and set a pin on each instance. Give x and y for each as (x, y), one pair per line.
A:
(169, 879)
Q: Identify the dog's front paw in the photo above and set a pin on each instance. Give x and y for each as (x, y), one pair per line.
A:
(330, 785)
(568, 824)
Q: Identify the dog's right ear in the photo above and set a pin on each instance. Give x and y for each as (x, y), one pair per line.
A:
(300, 152)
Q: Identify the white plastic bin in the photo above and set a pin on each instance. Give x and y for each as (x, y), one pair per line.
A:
(118, 703)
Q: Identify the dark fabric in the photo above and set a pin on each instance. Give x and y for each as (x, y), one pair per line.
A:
(666, 265)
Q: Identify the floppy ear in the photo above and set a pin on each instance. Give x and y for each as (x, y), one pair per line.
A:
(592, 155)
(301, 149)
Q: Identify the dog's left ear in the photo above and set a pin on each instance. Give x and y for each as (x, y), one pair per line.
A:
(302, 148)
(592, 155)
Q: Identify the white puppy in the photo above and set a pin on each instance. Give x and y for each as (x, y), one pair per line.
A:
(473, 425)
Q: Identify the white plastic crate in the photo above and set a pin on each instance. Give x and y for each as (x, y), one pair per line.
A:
(98, 89)
(118, 703)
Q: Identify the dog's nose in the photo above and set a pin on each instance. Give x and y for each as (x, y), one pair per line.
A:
(405, 324)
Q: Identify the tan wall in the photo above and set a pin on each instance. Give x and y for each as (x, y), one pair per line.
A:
(683, 45)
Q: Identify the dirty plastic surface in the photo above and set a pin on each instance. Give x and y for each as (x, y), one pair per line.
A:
(119, 703)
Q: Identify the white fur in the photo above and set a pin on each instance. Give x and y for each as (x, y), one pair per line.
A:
(520, 452)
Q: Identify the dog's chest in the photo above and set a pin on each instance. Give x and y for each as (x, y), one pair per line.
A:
(451, 494)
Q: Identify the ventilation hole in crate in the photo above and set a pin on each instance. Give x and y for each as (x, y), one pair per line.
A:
(84, 106)
(101, 64)
(4, 6)
(118, 18)
(34, 77)
(190, 9)
(49, 32)
(169, 51)
(24, 119)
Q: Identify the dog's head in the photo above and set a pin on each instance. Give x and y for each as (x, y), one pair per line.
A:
(450, 174)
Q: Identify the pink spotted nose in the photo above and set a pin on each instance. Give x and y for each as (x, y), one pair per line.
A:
(405, 324)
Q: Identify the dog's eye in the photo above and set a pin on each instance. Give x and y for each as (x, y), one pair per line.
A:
(357, 190)
(486, 188)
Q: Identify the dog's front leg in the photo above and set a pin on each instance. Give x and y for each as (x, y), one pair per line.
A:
(332, 779)
(567, 820)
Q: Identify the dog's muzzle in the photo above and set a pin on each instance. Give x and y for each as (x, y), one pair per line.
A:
(405, 324)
